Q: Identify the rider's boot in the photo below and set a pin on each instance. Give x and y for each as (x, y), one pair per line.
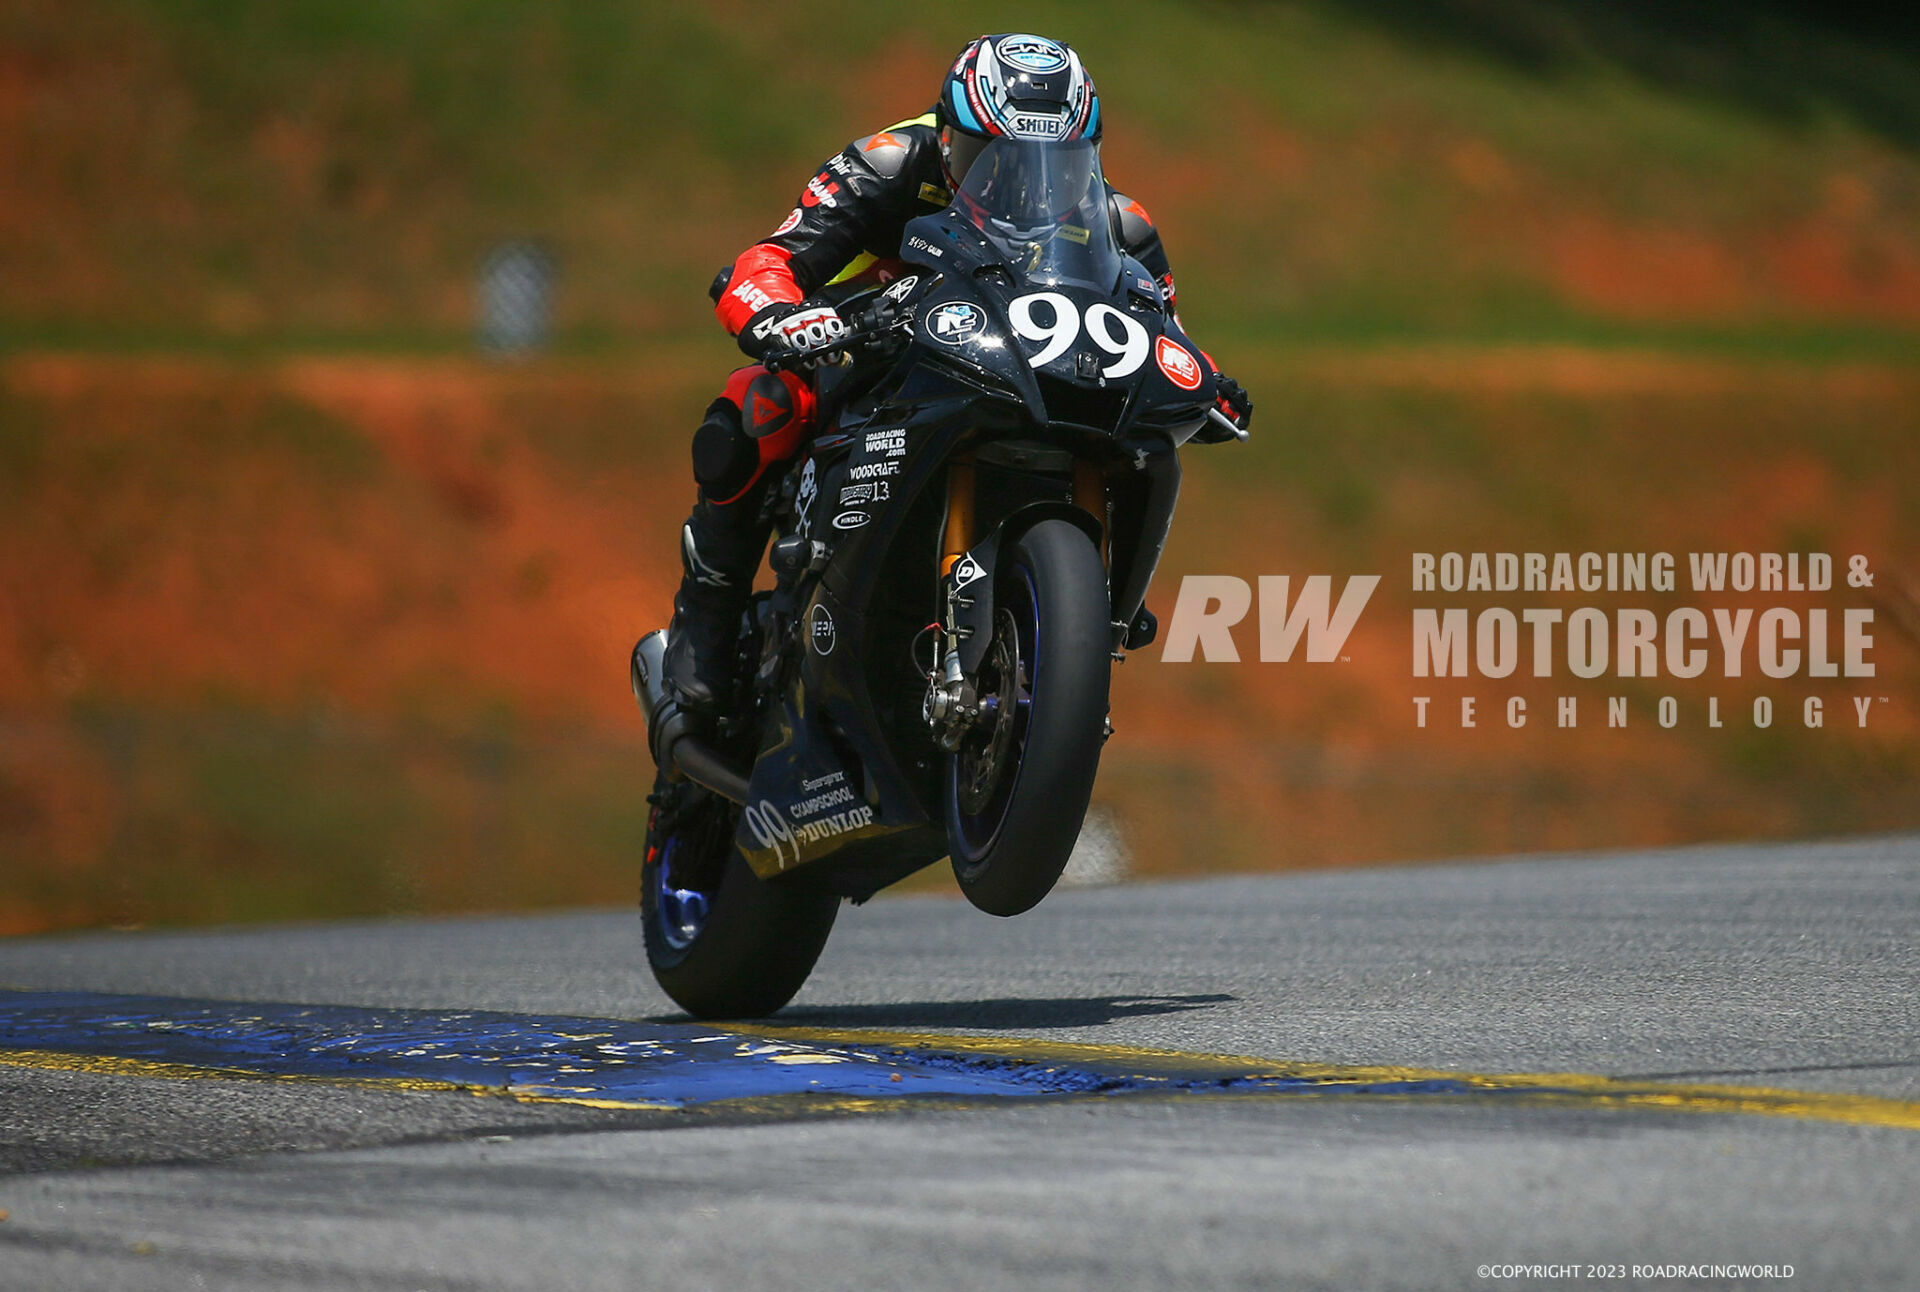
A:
(720, 549)
(721, 544)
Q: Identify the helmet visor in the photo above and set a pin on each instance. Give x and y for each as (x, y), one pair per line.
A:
(959, 150)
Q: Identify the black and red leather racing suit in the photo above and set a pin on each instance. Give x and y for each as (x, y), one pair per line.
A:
(842, 237)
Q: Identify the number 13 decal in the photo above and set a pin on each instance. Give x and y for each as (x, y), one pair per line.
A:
(1112, 331)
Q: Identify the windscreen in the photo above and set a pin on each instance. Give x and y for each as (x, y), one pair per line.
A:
(1043, 206)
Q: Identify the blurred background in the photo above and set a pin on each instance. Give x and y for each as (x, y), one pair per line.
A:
(350, 350)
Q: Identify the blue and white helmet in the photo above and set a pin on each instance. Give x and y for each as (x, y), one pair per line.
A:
(1014, 86)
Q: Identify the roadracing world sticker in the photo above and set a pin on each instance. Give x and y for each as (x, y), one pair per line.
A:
(890, 443)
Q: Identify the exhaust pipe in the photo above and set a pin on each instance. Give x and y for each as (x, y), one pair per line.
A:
(675, 750)
(649, 676)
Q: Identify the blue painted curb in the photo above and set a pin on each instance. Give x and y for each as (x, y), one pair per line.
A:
(592, 1059)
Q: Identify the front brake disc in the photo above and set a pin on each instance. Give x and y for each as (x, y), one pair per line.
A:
(982, 761)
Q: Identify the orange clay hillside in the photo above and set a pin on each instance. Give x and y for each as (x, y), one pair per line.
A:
(333, 636)
(305, 613)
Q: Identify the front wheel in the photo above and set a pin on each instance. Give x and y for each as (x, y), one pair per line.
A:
(721, 941)
(1017, 790)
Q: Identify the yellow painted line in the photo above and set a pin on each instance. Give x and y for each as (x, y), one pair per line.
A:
(101, 1065)
(1148, 1062)
(1604, 1092)
(1572, 1090)
(1565, 1088)
(1763, 1101)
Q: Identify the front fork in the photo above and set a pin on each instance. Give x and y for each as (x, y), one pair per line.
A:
(952, 706)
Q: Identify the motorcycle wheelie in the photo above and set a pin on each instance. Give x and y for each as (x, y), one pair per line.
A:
(960, 554)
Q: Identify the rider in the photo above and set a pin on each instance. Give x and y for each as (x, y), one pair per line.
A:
(844, 236)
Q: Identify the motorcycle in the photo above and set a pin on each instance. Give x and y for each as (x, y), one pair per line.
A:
(959, 557)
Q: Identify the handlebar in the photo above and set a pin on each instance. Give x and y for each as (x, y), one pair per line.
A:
(876, 322)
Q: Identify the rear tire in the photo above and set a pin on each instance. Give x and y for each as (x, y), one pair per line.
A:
(754, 942)
(1013, 814)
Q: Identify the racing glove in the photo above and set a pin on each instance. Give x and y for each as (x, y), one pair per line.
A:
(788, 327)
(1234, 404)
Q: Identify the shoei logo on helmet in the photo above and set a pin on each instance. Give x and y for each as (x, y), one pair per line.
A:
(821, 631)
(956, 322)
(1182, 369)
(1032, 53)
(1032, 125)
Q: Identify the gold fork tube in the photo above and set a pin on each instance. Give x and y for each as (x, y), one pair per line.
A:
(958, 539)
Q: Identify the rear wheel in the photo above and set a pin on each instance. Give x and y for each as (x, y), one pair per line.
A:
(721, 941)
(1017, 790)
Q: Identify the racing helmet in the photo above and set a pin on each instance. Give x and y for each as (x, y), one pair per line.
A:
(1015, 86)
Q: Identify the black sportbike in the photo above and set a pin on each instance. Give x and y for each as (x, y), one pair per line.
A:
(959, 557)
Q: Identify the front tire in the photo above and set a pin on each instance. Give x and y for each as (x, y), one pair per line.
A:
(721, 941)
(1017, 791)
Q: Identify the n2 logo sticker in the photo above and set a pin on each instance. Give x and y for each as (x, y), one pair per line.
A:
(1112, 331)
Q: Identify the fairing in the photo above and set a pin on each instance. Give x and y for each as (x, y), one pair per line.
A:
(846, 786)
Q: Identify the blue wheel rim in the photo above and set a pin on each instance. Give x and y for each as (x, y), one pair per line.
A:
(680, 912)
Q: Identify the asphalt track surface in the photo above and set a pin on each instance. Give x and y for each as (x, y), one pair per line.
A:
(1677, 1060)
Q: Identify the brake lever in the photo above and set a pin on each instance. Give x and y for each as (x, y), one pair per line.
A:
(786, 360)
(1239, 433)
